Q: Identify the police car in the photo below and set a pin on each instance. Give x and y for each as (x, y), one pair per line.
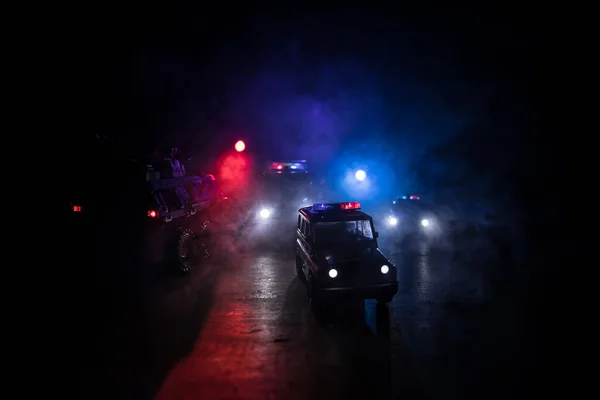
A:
(410, 215)
(286, 185)
(337, 254)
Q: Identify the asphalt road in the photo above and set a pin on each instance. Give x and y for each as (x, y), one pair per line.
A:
(239, 326)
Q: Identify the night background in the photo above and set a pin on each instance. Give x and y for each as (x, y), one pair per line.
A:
(431, 99)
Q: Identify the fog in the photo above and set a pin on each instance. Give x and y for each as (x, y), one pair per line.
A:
(415, 116)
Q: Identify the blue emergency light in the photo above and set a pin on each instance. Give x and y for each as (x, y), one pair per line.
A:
(294, 164)
(348, 205)
(322, 206)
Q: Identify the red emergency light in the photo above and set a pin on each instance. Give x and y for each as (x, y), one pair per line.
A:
(152, 214)
(76, 208)
(415, 197)
(350, 205)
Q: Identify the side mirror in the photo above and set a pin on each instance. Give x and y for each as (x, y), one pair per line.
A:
(376, 235)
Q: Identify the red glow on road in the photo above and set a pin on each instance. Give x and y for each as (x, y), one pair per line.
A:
(232, 358)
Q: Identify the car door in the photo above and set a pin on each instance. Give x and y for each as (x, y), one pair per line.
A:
(304, 238)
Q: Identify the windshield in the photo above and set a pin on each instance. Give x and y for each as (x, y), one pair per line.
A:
(288, 177)
(412, 205)
(343, 231)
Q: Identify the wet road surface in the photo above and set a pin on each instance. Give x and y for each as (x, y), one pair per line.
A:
(240, 327)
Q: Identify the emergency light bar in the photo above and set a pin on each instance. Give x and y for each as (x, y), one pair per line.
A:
(350, 205)
(413, 197)
(296, 165)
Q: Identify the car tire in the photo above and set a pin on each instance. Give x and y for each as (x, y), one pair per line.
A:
(320, 305)
(316, 303)
(310, 286)
(299, 270)
(313, 293)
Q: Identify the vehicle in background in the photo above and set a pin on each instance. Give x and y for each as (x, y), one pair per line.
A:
(143, 214)
(409, 215)
(284, 187)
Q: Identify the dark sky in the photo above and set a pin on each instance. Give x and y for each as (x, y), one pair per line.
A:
(419, 82)
(145, 63)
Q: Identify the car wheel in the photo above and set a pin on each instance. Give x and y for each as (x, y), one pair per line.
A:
(299, 270)
(310, 286)
(316, 301)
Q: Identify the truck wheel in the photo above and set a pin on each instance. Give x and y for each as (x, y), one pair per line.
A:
(185, 249)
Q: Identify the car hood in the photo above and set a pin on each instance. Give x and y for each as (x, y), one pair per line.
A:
(414, 213)
(346, 253)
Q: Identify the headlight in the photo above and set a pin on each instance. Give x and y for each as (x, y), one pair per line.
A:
(265, 213)
(425, 222)
(392, 221)
(385, 269)
(332, 273)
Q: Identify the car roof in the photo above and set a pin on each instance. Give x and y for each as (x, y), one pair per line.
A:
(333, 215)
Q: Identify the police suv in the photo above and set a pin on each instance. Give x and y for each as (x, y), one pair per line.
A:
(410, 215)
(286, 186)
(337, 254)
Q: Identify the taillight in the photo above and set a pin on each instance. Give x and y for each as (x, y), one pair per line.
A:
(76, 208)
(152, 214)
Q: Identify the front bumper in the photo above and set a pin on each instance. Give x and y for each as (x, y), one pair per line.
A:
(365, 292)
(434, 229)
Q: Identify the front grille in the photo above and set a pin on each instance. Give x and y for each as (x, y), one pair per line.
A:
(354, 274)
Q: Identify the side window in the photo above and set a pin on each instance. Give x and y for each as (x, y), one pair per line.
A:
(307, 229)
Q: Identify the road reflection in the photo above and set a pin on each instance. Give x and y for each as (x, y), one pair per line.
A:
(462, 337)
(353, 346)
(234, 356)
